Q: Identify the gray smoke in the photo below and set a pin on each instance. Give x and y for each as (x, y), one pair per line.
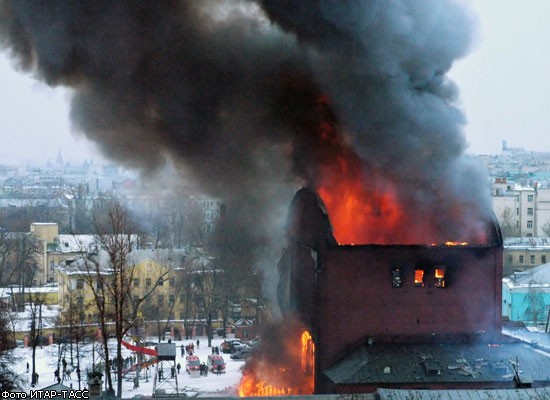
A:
(228, 91)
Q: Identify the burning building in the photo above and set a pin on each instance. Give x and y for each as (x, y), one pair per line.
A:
(250, 99)
(397, 316)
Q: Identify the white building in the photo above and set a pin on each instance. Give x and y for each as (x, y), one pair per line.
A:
(527, 209)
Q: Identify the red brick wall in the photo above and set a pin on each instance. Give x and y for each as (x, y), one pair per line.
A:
(356, 299)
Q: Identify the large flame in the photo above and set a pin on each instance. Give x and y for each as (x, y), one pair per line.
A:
(285, 376)
(359, 213)
(367, 206)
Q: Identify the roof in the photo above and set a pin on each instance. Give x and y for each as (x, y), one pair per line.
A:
(75, 243)
(82, 266)
(244, 322)
(60, 389)
(504, 394)
(538, 275)
(439, 363)
(171, 258)
(527, 243)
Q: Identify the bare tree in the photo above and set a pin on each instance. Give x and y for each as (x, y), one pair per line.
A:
(24, 252)
(207, 290)
(9, 380)
(79, 221)
(111, 280)
(535, 309)
(72, 330)
(5, 253)
(508, 224)
(35, 305)
(233, 250)
(546, 228)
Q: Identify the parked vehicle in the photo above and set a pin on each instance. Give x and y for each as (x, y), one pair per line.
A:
(228, 345)
(193, 365)
(242, 354)
(216, 363)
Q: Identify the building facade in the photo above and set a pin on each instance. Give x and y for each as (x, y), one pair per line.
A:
(526, 296)
(523, 253)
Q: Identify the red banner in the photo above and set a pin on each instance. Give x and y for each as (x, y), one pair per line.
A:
(139, 349)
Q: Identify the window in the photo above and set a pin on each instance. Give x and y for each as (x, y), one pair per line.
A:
(543, 259)
(171, 299)
(160, 299)
(529, 224)
(172, 282)
(80, 283)
(529, 211)
(160, 282)
(147, 282)
(521, 259)
(136, 282)
(530, 198)
(396, 281)
(80, 300)
(509, 259)
(439, 275)
(182, 298)
(418, 277)
(532, 258)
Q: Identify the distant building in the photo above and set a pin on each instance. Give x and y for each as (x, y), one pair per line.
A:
(523, 253)
(523, 210)
(57, 248)
(526, 296)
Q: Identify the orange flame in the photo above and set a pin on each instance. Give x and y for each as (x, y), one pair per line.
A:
(363, 201)
(266, 379)
(419, 277)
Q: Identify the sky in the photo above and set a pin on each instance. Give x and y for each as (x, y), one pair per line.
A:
(34, 121)
(504, 82)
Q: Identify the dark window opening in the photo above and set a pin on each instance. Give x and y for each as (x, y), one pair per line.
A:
(440, 277)
(396, 280)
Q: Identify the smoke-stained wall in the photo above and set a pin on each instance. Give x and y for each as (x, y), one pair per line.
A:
(346, 295)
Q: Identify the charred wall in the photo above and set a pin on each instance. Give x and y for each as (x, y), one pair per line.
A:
(346, 294)
(356, 299)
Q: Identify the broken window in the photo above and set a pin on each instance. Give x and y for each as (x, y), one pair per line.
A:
(418, 277)
(396, 281)
(440, 277)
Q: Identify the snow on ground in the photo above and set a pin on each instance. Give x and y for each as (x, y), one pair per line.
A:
(224, 385)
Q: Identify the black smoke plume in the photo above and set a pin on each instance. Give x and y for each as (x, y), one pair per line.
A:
(228, 91)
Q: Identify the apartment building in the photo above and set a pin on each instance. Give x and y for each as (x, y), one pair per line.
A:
(524, 253)
(521, 211)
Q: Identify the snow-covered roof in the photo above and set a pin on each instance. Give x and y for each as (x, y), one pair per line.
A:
(526, 242)
(7, 291)
(76, 243)
(81, 265)
(539, 276)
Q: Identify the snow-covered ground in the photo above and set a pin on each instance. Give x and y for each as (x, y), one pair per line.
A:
(223, 385)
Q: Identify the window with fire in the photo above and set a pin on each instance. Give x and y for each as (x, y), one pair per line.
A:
(419, 278)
